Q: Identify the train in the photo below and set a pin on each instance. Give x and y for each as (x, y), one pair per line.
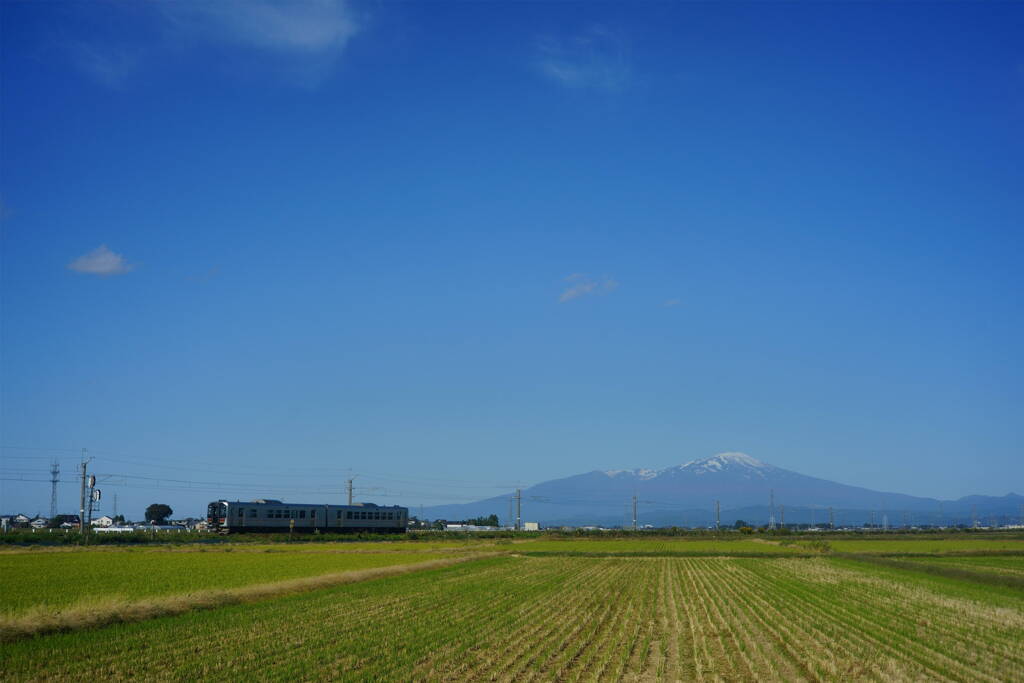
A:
(266, 515)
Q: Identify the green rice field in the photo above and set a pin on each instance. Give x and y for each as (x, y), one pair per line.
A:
(536, 609)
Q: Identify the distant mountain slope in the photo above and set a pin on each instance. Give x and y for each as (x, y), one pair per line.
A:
(684, 495)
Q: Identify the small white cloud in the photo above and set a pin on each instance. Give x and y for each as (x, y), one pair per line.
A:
(107, 64)
(307, 26)
(101, 261)
(582, 285)
(596, 58)
(669, 303)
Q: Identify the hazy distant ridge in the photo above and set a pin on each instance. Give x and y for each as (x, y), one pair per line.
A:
(685, 495)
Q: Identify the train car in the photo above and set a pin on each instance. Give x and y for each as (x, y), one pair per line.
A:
(266, 515)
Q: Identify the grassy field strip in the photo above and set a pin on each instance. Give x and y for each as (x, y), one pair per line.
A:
(134, 575)
(40, 621)
(881, 611)
(1011, 565)
(926, 546)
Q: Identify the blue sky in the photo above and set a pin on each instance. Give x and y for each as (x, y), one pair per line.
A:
(455, 247)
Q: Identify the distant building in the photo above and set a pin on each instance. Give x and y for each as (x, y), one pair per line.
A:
(39, 523)
(68, 521)
(531, 526)
(104, 521)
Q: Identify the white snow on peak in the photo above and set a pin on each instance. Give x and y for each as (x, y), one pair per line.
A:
(641, 473)
(736, 459)
(715, 464)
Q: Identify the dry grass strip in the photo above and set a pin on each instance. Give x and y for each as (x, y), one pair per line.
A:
(84, 616)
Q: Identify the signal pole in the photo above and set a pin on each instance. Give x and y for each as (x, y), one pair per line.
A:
(718, 516)
(634, 512)
(54, 479)
(771, 511)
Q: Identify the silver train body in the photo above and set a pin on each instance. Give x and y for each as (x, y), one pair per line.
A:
(265, 515)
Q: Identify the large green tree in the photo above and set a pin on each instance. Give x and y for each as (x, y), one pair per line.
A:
(158, 513)
(491, 520)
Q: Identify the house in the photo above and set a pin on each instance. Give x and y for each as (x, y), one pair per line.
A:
(104, 521)
(39, 523)
(68, 521)
(20, 521)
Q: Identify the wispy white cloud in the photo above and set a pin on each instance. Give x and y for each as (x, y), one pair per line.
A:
(581, 284)
(101, 261)
(305, 26)
(670, 303)
(300, 40)
(597, 58)
(108, 65)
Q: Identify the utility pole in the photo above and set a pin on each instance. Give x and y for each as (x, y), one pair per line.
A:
(519, 509)
(634, 512)
(782, 516)
(771, 511)
(812, 517)
(94, 496)
(718, 516)
(974, 516)
(349, 482)
(831, 520)
(115, 506)
(54, 479)
(81, 497)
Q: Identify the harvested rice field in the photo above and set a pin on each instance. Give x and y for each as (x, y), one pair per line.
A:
(515, 615)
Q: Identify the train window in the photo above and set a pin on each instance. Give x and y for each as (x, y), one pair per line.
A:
(348, 515)
(302, 514)
(241, 511)
(376, 515)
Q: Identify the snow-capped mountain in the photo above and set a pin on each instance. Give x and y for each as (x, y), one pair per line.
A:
(685, 495)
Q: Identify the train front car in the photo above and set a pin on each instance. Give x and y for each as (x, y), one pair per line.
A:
(217, 515)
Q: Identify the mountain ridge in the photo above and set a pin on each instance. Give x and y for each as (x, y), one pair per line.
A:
(685, 495)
